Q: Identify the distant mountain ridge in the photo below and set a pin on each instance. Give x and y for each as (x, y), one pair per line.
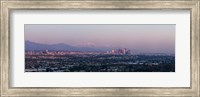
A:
(38, 46)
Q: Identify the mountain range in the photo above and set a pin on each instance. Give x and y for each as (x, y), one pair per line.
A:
(61, 46)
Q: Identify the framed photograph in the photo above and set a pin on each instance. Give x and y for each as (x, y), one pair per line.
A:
(100, 48)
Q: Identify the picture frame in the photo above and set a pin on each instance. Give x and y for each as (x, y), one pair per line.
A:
(7, 6)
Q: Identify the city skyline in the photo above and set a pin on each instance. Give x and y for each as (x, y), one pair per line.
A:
(138, 38)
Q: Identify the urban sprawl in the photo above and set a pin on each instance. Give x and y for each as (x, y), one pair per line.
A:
(119, 60)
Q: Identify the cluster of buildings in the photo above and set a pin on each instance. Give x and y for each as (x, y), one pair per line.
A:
(46, 52)
(123, 51)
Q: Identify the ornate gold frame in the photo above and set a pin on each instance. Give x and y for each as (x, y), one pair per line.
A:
(8, 5)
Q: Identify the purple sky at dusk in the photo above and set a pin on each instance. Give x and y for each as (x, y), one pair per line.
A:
(148, 38)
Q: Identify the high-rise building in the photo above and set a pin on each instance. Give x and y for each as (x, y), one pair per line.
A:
(121, 51)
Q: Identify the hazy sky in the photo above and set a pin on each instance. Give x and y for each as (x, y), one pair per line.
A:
(149, 38)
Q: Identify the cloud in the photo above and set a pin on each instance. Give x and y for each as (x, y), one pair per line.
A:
(85, 44)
